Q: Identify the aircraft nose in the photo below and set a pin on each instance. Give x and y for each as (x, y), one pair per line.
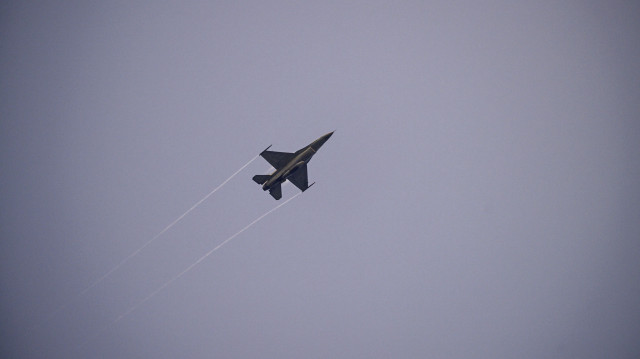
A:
(320, 141)
(327, 136)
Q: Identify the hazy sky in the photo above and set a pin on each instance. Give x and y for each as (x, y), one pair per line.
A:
(479, 199)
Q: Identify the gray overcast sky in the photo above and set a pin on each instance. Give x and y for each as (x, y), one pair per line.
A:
(479, 198)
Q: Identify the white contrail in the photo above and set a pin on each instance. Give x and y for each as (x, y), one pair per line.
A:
(202, 258)
(122, 262)
(165, 229)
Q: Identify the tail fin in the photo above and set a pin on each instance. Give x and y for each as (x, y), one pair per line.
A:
(261, 179)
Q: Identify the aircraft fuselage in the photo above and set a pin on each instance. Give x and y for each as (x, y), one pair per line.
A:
(288, 166)
(281, 175)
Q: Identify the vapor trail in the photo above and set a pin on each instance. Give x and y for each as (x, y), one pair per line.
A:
(122, 262)
(165, 229)
(203, 258)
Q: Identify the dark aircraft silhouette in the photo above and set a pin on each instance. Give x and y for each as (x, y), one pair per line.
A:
(289, 166)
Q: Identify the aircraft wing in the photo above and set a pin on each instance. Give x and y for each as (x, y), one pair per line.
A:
(277, 159)
(299, 178)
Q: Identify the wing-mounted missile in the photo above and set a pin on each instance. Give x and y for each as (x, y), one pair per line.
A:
(309, 186)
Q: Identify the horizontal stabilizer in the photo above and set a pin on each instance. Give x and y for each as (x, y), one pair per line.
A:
(276, 191)
(261, 179)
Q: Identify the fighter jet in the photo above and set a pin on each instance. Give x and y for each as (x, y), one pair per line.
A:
(289, 166)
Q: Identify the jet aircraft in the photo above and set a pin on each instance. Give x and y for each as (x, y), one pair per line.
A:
(289, 166)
